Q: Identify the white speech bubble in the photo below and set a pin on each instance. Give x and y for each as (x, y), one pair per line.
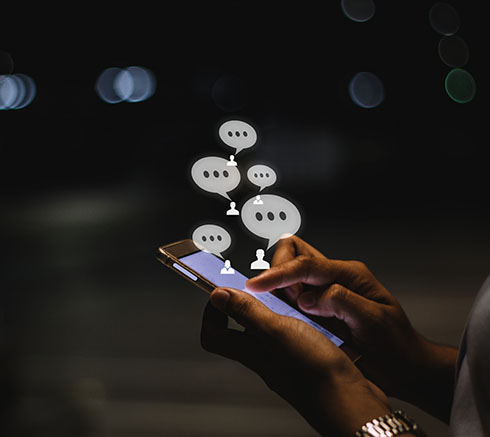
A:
(274, 219)
(262, 176)
(213, 175)
(237, 134)
(212, 238)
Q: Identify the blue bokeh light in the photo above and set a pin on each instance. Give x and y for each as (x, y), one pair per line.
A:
(16, 91)
(132, 84)
(366, 90)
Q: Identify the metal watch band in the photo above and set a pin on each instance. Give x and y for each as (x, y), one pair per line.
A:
(396, 423)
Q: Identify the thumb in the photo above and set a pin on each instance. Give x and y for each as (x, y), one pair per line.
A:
(340, 302)
(245, 309)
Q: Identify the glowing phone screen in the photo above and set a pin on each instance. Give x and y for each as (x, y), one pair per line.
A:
(210, 266)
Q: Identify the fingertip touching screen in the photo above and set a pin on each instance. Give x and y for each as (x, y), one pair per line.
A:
(211, 267)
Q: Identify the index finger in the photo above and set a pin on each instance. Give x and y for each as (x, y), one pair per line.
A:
(286, 250)
(308, 270)
(291, 247)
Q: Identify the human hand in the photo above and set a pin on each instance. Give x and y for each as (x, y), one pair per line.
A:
(294, 360)
(394, 356)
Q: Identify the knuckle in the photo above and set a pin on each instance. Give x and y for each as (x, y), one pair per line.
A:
(362, 273)
(359, 266)
(303, 259)
(306, 265)
(337, 292)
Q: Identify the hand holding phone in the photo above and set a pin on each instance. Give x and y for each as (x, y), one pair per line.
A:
(203, 269)
(294, 356)
(295, 360)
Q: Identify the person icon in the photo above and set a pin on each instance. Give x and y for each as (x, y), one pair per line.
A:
(232, 210)
(231, 162)
(258, 200)
(227, 269)
(259, 263)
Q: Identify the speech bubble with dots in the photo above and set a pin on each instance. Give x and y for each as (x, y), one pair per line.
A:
(212, 238)
(213, 175)
(262, 175)
(273, 219)
(237, 134)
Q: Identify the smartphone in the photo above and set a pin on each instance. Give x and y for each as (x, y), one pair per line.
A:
(203, 269)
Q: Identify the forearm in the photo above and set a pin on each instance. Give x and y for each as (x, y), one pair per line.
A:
(433, 386)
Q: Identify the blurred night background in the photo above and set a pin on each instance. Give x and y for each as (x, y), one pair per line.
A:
(99, 339)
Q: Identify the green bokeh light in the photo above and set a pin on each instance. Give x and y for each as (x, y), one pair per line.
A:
(460, 85)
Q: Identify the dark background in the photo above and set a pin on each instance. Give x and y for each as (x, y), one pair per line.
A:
(97, 337)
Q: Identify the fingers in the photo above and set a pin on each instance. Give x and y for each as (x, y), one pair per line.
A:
(286, 250)
(301, 269)
(317, 271)
(338, 301)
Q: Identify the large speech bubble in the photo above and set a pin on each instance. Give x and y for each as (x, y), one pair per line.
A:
(213, 175)
(212, 238)
(274, 219)
(237, 134)
(262, 176)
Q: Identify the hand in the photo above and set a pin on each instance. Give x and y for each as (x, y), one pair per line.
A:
(295, 360)
(394, 356)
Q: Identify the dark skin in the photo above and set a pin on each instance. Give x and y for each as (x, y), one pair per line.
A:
(310, 372)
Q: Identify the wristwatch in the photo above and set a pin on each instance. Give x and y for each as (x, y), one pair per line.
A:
(397, 423)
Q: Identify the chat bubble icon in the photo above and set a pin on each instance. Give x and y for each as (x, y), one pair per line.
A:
(274, 218)
(212, 238)
(237, 134)
(262, 176)
(213, 175)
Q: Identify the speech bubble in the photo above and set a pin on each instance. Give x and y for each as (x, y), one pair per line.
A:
(212, 238)
(262, 176)
(213, 175)
(274, 219)
(237, 134)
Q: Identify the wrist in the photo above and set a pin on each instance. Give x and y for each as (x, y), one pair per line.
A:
(349, 405)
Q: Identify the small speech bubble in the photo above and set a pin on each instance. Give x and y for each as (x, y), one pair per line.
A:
(213, 175)
(212, 238)
(262, 176)
(273, 219)
(237, 134)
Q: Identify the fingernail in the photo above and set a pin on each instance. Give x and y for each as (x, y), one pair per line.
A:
(219, 297)
(307, 300)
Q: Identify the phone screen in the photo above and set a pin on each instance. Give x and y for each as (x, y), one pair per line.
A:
(210, 267)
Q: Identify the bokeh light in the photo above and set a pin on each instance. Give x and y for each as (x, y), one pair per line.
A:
(143, 84)
(444, 19)
(453, 51)
(358, 10)
(16, 91)
(460, 85)
(366, 90)
(132, 84)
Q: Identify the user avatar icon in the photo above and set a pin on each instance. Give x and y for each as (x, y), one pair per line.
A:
(227, 269)
(232, 210)
(232, 162)
(258, 200)
(259, 263)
